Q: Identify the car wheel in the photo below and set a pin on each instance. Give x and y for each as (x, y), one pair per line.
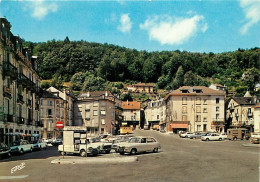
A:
(133, 152)
(155, 150)
(207, 139)
(107, 151)
(121, 153)
(21, 151)
(82, 153)
(220, 139)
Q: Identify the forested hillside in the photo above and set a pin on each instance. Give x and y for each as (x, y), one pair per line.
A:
(94, 66)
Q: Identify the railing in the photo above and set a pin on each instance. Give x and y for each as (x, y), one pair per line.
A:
(20, 98)
(20, 120)
(8, 118)
(217, 123)
(7, 90)
(9, 70)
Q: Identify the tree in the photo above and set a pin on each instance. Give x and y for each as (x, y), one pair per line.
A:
(128, 96)
(77, 81)
(178, 80)
(251, 78)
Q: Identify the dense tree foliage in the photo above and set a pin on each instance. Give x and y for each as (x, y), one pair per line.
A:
(92, 65)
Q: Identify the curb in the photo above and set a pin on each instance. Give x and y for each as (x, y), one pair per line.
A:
(83, 160)
(251, 145)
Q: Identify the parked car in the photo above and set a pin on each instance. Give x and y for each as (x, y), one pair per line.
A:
(195, 135)
(21, 146)
(139, 144)
(104, 146)
(5, 151)
(38, 145)
(255, 140)
(185, 135)
(56, 142)
(223, 136)
(120, 139)
(255, 135)
(212, 137)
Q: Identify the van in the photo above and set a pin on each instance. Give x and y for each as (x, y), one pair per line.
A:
(238, 133)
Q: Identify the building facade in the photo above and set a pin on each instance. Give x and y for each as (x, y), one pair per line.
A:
(95, 111)
(240, 112)
(195, 108)
(19, 88)
(131, 113)
(257, 118)
(56, 106)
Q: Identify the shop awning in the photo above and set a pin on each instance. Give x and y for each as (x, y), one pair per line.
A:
(178, 125)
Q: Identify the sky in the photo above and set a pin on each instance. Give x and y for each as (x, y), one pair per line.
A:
(153, 25)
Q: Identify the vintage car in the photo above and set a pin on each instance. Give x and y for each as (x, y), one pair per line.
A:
(212, 137)
(21, 146)
(195, 135)
(105, 146)
(38, 145)
(5, 151)
(139, 144)
(185, 135)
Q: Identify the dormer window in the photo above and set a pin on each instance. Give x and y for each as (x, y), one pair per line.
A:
(184, 91)
(198, 90)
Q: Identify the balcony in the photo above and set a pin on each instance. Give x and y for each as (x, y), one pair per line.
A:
(29, 122)
(20, 120)
(218, 122)
(8, 118)
(26, 82)
(250, 114)
(7, 92)
(38, 124)
(20, 99)
(29, 103)
(9, 70)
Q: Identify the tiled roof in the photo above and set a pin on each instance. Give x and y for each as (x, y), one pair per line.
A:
(244, 100)
(191, 91)
(47, 94)
(131, 105)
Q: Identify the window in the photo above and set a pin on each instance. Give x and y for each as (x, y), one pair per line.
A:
(143, 140)
(102, 130)
(217, 100)
(217, 109)
(184, 109)
(49, 112)
(103, 104)
(249, 110)
(198, 109)
(103, 121)
(205, 110)
(95, 113)
(103, 112)
(158, 116)
(198, 117)
(184, 117)
(198, 127)
(217, 116)
(198, 101)
(49, 103)
(95, 104)
(205, 101)
(184, 100)
(132, 118)
(204, 119)
(150, 140)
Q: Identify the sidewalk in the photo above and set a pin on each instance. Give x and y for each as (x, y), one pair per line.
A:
(93, 160)
(251, 145)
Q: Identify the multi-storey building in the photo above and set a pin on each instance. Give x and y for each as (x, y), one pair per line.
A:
(56, 106)
(131, 113)
(154, 113)
(240, 111)
(19, 88)
(195, 108)
(95, 111)
(257, 118)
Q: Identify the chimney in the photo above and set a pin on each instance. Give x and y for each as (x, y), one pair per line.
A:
(127, 101)
(191, 88)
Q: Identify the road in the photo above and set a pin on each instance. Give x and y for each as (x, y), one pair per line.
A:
(178, 160)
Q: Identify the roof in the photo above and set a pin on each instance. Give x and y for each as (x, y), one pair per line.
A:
(244, 100)
(247, 94)
(191, 91)
(131, 105)
(47, 94)
(95, 94)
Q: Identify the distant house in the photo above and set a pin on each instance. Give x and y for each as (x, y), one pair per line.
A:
(131, 113)
(141, 88)
(218, 87)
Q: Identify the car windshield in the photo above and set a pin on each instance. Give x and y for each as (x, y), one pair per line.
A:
(34, 142)
(135, 140)
(16, 143)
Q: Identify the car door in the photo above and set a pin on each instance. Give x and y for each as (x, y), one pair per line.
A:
(151, 144)
(143, 145)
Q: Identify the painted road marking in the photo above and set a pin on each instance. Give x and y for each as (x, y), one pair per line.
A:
(13, 177)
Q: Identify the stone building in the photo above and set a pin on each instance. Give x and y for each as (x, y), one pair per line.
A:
(131, 113)
(19, 88)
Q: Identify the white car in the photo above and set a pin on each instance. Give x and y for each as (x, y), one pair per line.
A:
(255, 135)
(186, 135)
(38, 145)
(21, 146)
(139, 144)
(212, 137)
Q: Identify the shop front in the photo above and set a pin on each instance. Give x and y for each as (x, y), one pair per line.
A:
(179, 126)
